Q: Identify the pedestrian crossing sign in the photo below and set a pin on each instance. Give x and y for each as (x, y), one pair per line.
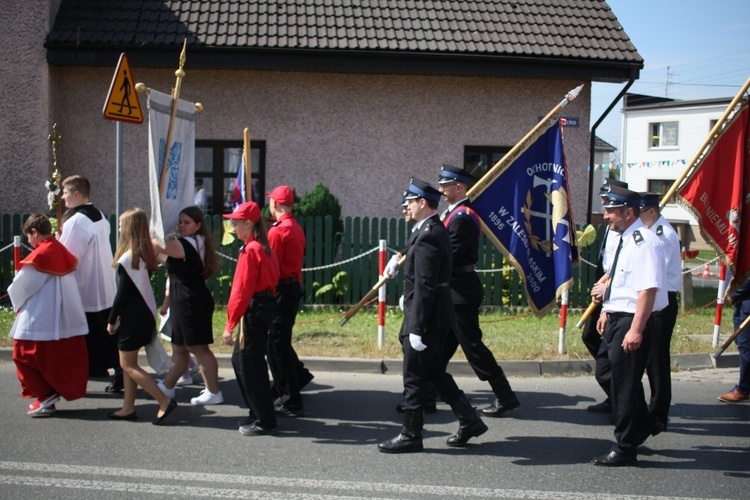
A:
(122, 99)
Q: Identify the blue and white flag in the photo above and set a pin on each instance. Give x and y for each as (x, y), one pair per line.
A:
(525, 208)
(175, 190)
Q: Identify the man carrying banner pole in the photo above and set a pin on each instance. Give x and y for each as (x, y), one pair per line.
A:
(636, 288)
(428, 314)
(464, 228)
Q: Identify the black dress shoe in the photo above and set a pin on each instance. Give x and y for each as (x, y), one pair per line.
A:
(256, 430)
(130, 416)
(402, 444)
(170, 408)
(115, 386)
(614, 459)
(603, 407)
(497, 408)
(466, 432)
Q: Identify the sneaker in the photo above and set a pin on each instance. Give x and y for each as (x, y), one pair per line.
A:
(170, 393)
(256, 430)
(733, 396)
(185, 380)
(46, 412)
(206, 397)
(40, 404)
(285, 411)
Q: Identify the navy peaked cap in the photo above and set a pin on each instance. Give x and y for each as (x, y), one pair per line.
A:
(649, 200)
(608, 183)
(449, 173)
(621, 197)
(420, 189)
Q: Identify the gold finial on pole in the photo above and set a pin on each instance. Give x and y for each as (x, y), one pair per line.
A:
(180, 74)
(54, 183)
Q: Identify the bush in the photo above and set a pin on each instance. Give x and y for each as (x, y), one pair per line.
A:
(320, 201)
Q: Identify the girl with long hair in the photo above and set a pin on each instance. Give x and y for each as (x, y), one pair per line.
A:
(133, 315)
(190, 260)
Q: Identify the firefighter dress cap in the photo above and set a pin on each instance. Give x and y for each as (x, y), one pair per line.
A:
(608, 183)
(649, 200)
(449, 174)
(621, 197)
(420, 189)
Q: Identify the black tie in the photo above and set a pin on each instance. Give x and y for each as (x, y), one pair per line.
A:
(612, 272)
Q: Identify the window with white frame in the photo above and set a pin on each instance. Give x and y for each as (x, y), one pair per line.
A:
(663, 135)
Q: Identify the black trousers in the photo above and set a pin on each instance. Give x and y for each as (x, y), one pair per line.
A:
(249, 363)
(468, 335)
(659, 364)
(282, 358)
(422, 368)
(626, 390)
(101, 346)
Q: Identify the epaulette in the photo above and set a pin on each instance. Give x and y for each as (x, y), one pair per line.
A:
(637, 236)
(660, 230)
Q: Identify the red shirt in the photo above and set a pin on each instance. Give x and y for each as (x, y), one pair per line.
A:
(255, 272)
(287, 241)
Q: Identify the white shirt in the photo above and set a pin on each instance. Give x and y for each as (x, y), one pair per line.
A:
(672, 252)
(48, 307)
(89, 242)
(610, 247)
(640, 266)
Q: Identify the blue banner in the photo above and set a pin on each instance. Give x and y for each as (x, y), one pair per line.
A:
(526, 212)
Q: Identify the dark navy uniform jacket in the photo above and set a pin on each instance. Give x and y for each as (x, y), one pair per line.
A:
(427, 272)
(464, 231)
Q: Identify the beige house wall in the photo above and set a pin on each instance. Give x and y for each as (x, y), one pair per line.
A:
(363, 136)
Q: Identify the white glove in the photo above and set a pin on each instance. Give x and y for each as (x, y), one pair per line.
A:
(416, 342)
(391, 269)
(401, 302)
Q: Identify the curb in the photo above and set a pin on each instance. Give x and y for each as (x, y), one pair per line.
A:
(460, 368)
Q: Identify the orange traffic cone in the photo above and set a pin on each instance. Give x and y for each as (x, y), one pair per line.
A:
(706, 271)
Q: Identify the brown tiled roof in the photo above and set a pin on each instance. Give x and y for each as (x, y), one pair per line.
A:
(523, 31)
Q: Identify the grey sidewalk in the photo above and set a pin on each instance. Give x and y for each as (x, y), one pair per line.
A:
(551, 368)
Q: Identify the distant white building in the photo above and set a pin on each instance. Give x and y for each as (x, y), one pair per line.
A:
(605, 160)
(660, 137)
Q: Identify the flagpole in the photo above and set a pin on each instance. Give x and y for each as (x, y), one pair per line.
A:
(521, 146)
(180, 74)
(247, 195)
(726, 344)
(709, 139)
(688, 170)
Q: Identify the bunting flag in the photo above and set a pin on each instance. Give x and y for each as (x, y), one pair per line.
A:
(526, 212)
(177, 190)
(716, 194)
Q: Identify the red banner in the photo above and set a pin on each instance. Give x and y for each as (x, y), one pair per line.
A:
(717, 195)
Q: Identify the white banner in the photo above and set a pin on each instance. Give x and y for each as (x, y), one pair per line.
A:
(178, 190)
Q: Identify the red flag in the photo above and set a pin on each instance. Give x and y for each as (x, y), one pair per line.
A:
(716, 195)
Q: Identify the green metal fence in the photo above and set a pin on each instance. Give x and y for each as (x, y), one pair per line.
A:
(353, 251)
